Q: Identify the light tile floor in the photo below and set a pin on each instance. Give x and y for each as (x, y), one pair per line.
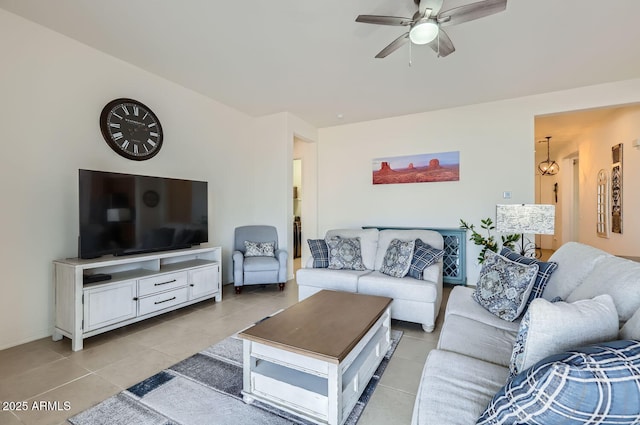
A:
(46, 371)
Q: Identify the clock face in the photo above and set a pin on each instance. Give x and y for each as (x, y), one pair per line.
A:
(131, 129)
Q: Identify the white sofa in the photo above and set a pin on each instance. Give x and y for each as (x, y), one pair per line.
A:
(471, 361)
(414, 300)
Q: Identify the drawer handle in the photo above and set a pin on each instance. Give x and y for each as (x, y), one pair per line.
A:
(164, 283)
(160, 302)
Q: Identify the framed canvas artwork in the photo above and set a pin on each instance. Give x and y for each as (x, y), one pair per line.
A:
(430, 167)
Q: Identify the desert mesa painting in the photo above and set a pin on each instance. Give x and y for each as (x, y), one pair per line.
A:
(430, 167)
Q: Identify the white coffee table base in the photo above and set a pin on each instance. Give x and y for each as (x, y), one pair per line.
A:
(313, 387)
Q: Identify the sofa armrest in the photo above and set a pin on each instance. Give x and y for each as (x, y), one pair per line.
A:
(433, 273)
(309, 264)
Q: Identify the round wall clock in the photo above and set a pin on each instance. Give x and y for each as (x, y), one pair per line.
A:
(131, 129)
(151, 198)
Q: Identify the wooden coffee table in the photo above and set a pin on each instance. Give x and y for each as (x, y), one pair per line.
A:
(315, 358)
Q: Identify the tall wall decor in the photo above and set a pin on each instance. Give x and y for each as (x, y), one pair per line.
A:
(616, 189)
(602, 204)
(432, 167)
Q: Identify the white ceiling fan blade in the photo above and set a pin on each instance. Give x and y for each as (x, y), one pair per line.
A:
(383, 20)
(471, 12)
(395, 45)
(442, 45)
(433, 5)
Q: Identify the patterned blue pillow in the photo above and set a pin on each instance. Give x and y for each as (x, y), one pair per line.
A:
(397, 258)
(424, 255)
(345, 253)
(259, 249)
(598, 384)
(319, 252)
(544, 272)
(504, 286)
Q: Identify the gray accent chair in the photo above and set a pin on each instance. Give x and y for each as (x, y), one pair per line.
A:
(258, 270)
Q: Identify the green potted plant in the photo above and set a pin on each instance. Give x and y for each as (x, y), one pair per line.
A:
(489, 242)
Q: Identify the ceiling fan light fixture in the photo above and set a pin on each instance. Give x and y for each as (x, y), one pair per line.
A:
(424, 31)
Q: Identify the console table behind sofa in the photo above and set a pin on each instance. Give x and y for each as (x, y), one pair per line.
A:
(455, 252)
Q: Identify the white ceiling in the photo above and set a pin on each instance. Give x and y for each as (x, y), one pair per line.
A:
(311, 59)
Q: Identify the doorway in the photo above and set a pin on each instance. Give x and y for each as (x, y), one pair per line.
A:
(297, 213)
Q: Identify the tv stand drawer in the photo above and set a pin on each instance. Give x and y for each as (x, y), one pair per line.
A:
(161, 301)
(160, 283)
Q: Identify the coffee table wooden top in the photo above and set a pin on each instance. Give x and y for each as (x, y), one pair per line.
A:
(327, 325)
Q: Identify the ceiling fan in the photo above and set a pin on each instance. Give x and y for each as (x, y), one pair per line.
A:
(425, 27)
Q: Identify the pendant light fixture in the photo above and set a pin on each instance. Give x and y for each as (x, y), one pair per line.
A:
(548, 167)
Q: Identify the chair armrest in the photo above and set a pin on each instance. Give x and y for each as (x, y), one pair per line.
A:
(282, 257)
(238, 264)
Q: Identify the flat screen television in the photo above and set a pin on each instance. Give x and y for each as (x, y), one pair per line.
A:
(123, 214)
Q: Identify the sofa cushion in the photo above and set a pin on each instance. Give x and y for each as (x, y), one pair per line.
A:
(345, 254)
(599, 384)
(476, 339)
(549, 328)
(338, 280)
(368, 242)
(545, 269)
(397, 259)
(504, 286)
(259, 249)
(430, 237)
(575, 262)
(319, 252)
(455, 389)
(406, 288)
(631, 329)
(424, 255)
(461, 303)
(617, 277)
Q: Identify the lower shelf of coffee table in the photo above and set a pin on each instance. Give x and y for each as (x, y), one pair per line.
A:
(322, 391)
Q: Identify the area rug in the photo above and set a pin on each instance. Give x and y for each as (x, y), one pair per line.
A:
(204, 389)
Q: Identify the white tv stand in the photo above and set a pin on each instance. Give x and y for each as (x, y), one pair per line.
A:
(141, 286)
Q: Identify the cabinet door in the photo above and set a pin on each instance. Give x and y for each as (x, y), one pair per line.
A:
(108, 304)
(203, 281)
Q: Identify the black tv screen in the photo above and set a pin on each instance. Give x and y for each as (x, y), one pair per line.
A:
(123, 214)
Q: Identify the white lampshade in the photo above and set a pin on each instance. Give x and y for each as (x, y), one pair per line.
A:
(526, 218)
(423, 32)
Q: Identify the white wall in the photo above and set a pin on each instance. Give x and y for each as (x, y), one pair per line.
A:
(595, 154)
(496, 155)
(53, 89)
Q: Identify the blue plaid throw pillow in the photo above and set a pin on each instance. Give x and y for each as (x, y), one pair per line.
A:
(544, 272)
(598, 384)
(319, 252)
(424, 255)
